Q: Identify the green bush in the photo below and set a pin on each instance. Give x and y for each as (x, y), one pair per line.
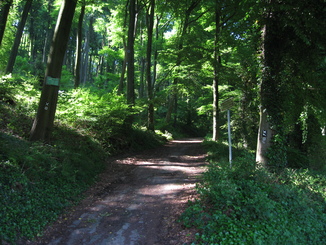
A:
(248, 205)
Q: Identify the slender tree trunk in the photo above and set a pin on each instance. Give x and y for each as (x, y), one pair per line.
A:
(150, 27)
(84, 72)
(141, 78)
(171, 99)
(43, 123)
(216, 64)
(156, 52)
(215, 106)
(79, 47)
(124, 63)
(32, 39)
(142, 61)
(4, 12)
(130, 54)
(19, 33)
(89, 69)
(45, 47)
(123, 69)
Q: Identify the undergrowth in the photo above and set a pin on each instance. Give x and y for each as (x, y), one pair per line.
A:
(39, 180)
(247, 204)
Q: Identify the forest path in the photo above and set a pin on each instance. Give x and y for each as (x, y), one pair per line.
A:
(137, 200)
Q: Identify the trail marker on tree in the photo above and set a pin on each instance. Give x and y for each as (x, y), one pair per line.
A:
(44, 120)
(226, 106)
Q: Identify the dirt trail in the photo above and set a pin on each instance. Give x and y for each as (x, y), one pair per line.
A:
(137, 200)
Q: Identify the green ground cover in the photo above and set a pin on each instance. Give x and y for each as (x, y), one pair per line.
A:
(39, 180)
(247, 204)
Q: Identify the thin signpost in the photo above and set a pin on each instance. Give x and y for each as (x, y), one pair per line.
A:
(226, 106)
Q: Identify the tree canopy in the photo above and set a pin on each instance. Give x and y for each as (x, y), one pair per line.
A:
(84, 79)
(176, 61)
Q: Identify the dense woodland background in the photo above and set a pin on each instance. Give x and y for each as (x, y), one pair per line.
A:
(131, 70)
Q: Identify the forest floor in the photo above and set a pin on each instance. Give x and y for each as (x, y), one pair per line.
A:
(137, 200)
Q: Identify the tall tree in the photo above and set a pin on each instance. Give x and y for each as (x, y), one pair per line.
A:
(223, 19)
(85, 63)
(124, 44)
(271, 111)
(150, 27)
(79, 46)
(43, 123)
(18, 36)
(4, 12)
(291, 40)
(131, 53)
(216, 64)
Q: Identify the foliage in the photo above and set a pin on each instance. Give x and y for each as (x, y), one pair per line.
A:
(182, 73)
(88, 104)
(38, 180)
(102, 115)
(18, 100)
(249, 205)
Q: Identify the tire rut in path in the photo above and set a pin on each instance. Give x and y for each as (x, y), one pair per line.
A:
(139, 206)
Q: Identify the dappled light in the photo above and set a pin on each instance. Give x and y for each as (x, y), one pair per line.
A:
(118, 102)
(143, 195)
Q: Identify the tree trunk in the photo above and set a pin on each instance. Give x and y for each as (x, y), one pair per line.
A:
(215, 107)
(156, 53)
(4, 12)
(79, 47)
(142, 65)
(84, 70)
(19, 33)
(89, 69)
(150, 26)
(32, 38)
(142, 61)
(43, 123)
(45, 47)
(264, 140)
(272, 99)
(216, 63)
(124, 63)
(123, 70)
(168, 116)
(130, 54)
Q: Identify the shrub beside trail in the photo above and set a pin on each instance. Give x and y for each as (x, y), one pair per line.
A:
(246, 204)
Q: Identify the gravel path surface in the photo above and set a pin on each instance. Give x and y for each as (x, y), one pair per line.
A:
(137, 200)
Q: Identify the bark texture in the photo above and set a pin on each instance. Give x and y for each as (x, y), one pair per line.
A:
(79, 48)
(150, 28)
(43, 123)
